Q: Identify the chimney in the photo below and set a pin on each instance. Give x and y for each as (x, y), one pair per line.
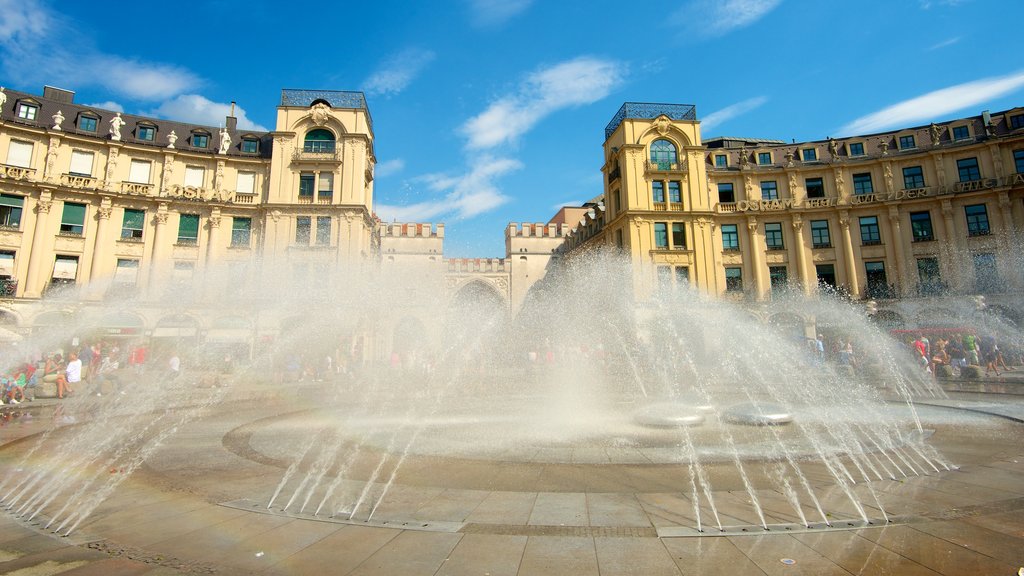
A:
(58, 94)
(231, 123)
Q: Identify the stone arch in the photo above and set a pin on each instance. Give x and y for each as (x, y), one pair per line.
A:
(9, 318)
(936, 318)
(474, 308)
(889, 320)
(1006, 314)
(672, 134)
(409, 336)
(788, 322)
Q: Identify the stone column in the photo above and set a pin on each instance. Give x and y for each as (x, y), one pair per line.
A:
(851, 265)
(951, 243)
(35, 283)
(98, 251)
(756, 257)
(801, 255)
(899, 250)
(213, 239)
(159, 254)
(1006, 260)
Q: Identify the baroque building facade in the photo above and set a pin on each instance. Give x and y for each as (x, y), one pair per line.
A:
(900, 218)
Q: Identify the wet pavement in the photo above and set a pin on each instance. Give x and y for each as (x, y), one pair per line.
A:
(508, 518)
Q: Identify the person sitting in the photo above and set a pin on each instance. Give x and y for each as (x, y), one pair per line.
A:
(13, 389)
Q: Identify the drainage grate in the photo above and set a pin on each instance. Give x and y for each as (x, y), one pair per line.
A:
(758, 530)
(419, 525)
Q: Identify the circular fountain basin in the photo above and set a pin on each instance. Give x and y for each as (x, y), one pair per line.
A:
(762, 414)
(669, 415)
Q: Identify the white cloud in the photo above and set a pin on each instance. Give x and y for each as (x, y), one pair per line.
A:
(465, 195)
(934, 104)
(944, 43)
(489, 13)
(108, 105)
(200, 110)
(37, 45)
(397, 72)
(572, 83)
(572, 203)
(389, 167)
(928, 4)
(729, 112)
(710, 18)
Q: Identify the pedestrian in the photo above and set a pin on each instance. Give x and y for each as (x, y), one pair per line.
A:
(174, 366)
(72, 376)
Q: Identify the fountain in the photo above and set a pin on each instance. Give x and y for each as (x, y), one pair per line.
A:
(584, 391)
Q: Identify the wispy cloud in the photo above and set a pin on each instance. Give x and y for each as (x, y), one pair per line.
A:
(108, 105)
(711, 18)
(934, 104)
(37, 45)
(572, 83)
(561, 205)
(492, 13)
(944, 43)
(459, 196)
(397, 72)
(195, 108)
(929, 4)
(389, 167)
(729, 112)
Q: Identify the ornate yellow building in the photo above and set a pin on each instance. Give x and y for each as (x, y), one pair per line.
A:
(923, 211)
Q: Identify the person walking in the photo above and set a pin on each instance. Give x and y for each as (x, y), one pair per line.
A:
(174, 364)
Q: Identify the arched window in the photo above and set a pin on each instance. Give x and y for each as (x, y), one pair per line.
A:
(319, 140)
(663, 154)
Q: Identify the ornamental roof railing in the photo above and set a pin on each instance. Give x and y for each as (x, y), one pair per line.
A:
(335, 98)
(649, 111)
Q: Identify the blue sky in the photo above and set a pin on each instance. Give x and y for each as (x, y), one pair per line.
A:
(493, 111)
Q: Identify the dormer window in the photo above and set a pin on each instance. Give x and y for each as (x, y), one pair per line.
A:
(318, 141)
(28, 110)
(764, 158)
(145, 132)
(907, 142)
(809, 155)
(88, 122)
(200, 140)
(250, 145)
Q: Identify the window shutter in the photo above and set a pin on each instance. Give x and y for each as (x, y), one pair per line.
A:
(246, 183)
(194, 176)
(6, 263)
(134, 219)
(19, 154)
(65, 267)
(326, 182)
(139, 172)
(73, 214)
(81, 163)
(127, 271)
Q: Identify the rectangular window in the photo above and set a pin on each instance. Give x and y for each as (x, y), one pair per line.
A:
(819, 234)
(726, 194)
(326, 184)
(134, 221)
(10, 210)
(679, 235)
(65, 269)
(730, 238)
(968, 169)
(147, 133)
(6, 271)
(188, 229)
(769, 190)
(764, 158)
(856, 149)
(773, 236)
(27, 111)
(250, 145)
(81, 163)
(869, 233)
(127, 271)
(826, 274)
(307, 180)
(664, 278)
(200, 140)
(1017, 121)
(779, 277)
(658, 191)
(184, 270)
(907, 143)
(1018, 161)
(138, 172)
(929, 279)
(682, 275)
(674, 194)
(323, 230)
(87, 123)
(977, 220)
(734, 279)
(721, 161)
(921, 226)
(809, 154)
(660, 235)
(815, 187)
(913, 177)
(195, 176)
(961, 133)
(72, 219)
(862, 183)
(246, 182)
(302, 230)
(877, 284)
(19, 154)
(986, 275)
(241, 229)
(618, 239)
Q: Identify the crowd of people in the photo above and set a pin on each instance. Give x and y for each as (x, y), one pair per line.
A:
(961, 350)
